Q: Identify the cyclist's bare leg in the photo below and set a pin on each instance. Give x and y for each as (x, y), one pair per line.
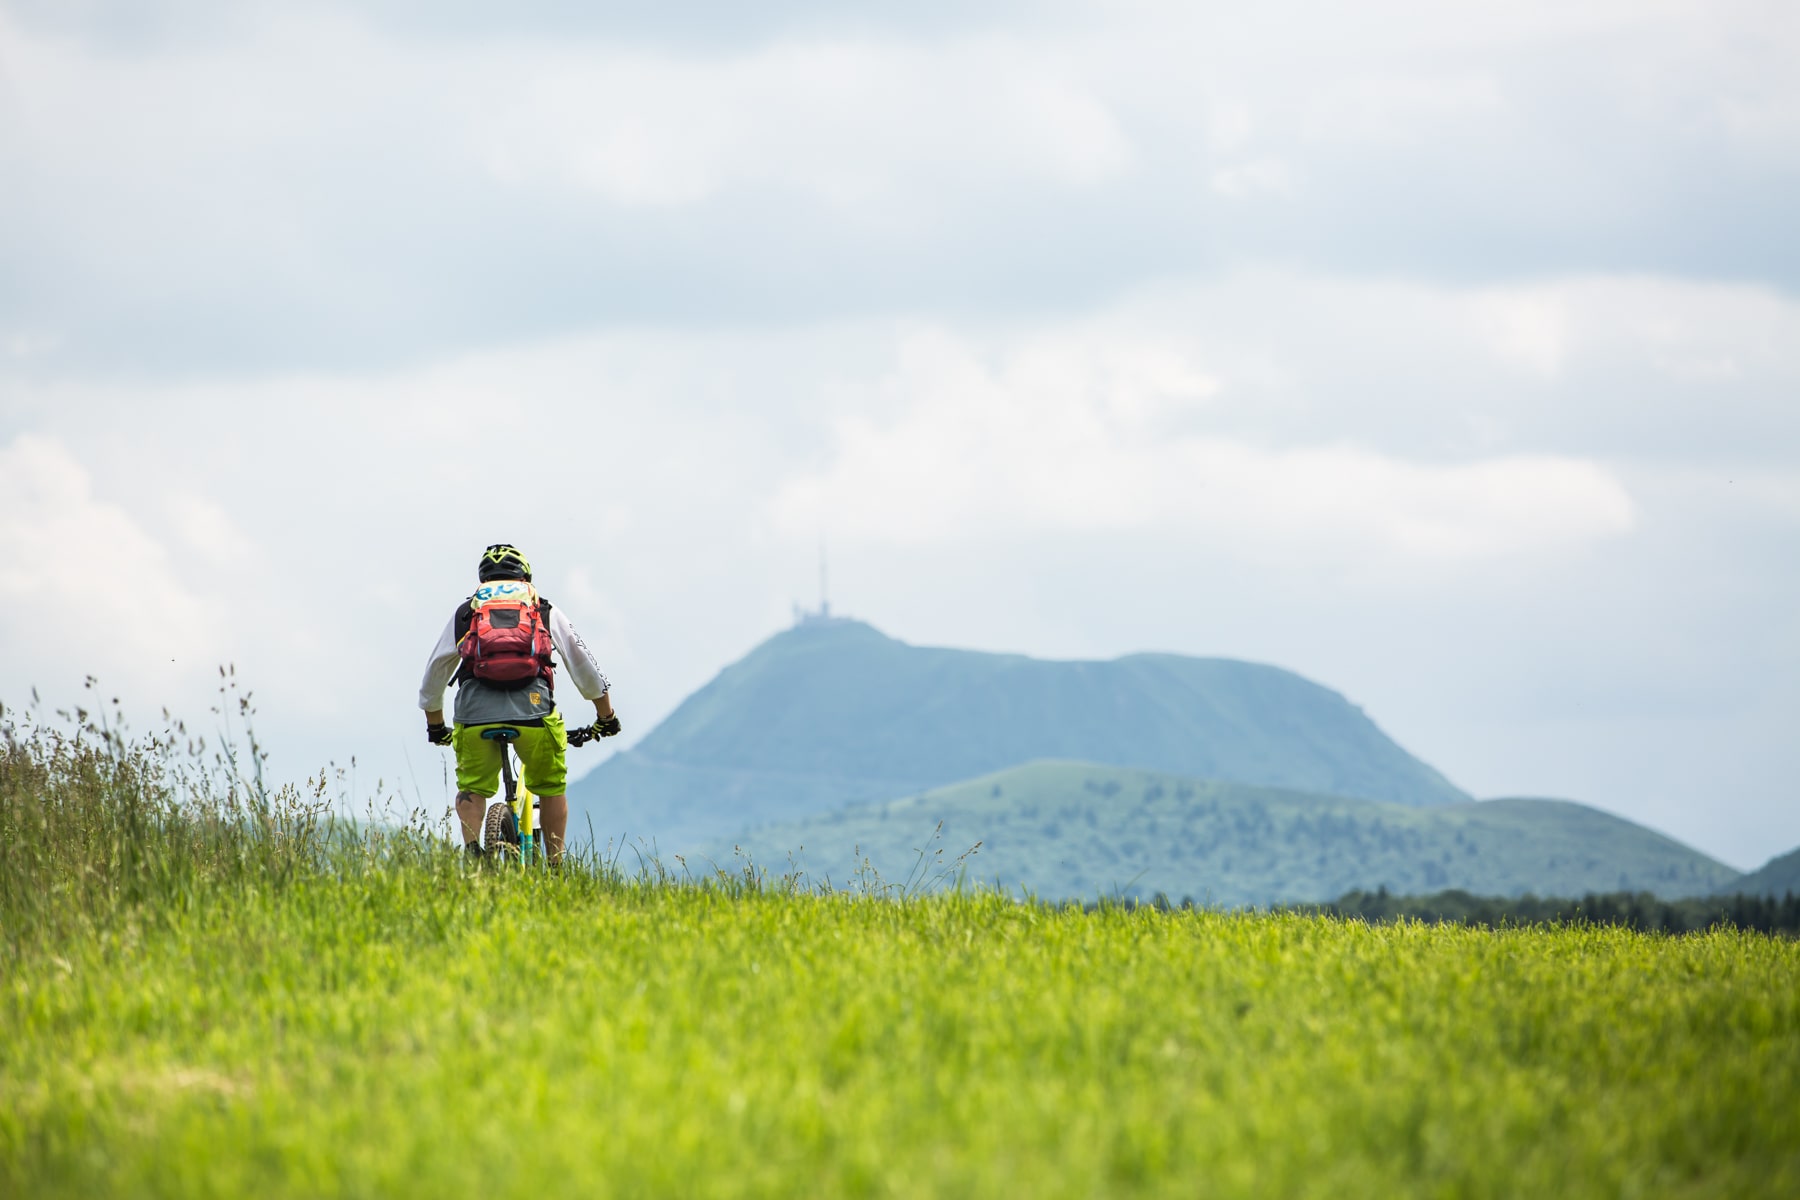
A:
(470, 808)
(553, 815)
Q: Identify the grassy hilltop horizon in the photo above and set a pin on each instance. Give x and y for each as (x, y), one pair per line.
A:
(1084, 830)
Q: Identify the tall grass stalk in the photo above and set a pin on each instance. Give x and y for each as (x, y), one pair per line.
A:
(97, 828)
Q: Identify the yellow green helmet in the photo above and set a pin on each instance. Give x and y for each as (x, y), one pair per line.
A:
(501, 561)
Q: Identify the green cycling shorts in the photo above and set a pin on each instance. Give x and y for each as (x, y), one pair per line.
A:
(543, 750)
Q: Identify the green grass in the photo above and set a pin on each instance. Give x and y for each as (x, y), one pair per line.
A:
(385, 1021)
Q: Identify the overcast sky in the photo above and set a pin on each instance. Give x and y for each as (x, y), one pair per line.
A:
(1447, 354)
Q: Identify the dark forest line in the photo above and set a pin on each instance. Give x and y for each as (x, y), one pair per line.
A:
(1634, 910)
(1641, 911)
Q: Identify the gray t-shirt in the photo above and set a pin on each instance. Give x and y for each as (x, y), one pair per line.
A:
(478, 703)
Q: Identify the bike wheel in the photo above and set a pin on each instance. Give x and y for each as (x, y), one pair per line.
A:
(500, 832)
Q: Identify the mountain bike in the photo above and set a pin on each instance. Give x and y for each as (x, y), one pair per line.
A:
(509, 827)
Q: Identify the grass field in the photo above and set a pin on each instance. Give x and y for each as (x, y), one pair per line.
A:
(240, 1006)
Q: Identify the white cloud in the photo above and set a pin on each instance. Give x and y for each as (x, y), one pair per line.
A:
(854, 125)
(210, 532)
(106, 594)
(1401, 107)
(1527, 327)
(1063, 434)
(328, 187)
(1248, 180)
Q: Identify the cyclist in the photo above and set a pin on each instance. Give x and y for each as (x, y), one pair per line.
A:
(498, 648)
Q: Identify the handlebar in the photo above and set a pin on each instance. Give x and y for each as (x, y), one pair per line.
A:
(606, 727)
(440, 735)
(586, 734)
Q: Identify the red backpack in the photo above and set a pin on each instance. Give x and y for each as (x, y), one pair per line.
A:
(508, 639)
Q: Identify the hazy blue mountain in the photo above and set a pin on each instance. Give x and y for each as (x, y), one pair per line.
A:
(1777, 878)
(1081, 830)
(829, 713)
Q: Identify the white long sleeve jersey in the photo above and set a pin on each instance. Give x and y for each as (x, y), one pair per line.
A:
(571, 651)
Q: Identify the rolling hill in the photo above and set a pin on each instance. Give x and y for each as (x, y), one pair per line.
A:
(1081, 830)
(833, 712)
(1777, 877)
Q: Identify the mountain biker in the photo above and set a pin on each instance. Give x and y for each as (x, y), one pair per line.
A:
(497, 648)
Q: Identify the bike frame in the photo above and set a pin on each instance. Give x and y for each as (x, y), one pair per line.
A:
(524, 806)
(517, 796)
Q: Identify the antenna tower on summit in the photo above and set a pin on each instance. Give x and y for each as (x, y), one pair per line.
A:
(822, 614)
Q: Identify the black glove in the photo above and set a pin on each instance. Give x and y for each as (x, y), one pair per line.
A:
(438, 735)
(599, 729)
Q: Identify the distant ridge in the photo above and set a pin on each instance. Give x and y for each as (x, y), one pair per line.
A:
(833, 711)
(1777, 877)
(1082, 831)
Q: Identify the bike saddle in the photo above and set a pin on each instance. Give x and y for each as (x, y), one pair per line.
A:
(500, 734)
